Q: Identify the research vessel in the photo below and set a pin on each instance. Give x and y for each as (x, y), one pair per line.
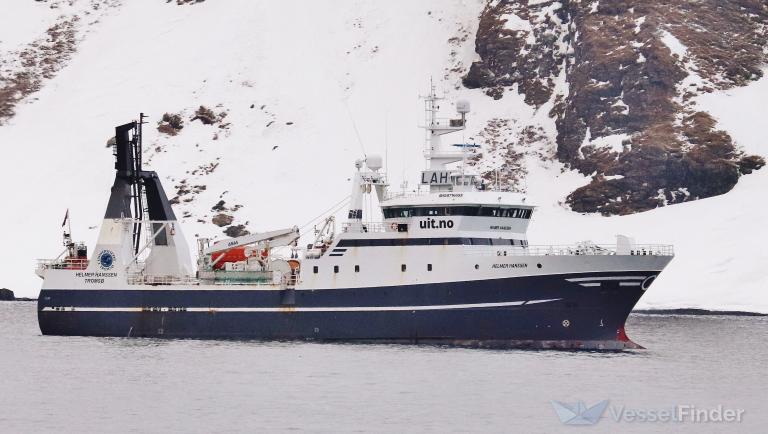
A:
(449, 263)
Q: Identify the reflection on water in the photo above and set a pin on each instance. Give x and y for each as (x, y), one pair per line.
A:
(86, 384)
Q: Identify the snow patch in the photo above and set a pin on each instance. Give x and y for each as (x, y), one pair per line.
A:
(674, 44)
(741, 112)
(638, 23)
(585, 142)
(621, 105)
(530, 39)
(612, 142)
(516, 24)
(548, 12)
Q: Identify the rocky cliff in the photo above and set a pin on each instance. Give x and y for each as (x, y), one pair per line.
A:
(621, 80)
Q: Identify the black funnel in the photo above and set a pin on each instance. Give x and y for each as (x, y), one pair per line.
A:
(124, 164)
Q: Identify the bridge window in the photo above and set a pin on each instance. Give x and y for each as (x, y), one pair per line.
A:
(473, 211)
(396, 242)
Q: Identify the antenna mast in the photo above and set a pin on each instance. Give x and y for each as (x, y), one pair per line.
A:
(436, 157)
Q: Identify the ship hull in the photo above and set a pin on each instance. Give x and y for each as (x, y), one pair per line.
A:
(558, 311)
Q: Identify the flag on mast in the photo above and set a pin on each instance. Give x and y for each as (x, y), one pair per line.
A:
(66, 217)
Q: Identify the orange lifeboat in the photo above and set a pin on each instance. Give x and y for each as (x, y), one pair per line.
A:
(236, 254)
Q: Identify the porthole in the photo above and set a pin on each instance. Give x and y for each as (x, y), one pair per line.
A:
(429, 267)
(314, 269)
(538, 265)
(357, 268)
(477, 267)
(402, 267)
(335, 268)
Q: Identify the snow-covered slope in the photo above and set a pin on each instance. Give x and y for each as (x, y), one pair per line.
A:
(311, 65)
(290, 77)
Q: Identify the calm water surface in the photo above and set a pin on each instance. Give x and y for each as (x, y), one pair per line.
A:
(63, 384)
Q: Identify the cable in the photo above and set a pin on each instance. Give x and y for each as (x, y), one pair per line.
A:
(332, 209)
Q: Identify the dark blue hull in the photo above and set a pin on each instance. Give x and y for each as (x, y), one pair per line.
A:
(544, 311)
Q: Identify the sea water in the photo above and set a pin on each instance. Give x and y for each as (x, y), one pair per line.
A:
(694, 366)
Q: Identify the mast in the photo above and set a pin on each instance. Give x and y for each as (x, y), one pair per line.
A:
(436, 156)
(137, 185)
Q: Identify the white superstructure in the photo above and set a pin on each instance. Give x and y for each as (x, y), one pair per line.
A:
(453, 227)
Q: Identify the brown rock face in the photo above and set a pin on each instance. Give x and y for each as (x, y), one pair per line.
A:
(632, 70)
(222, 220)
(236, 231)
(41, 60)
(507, 55)
(170, 124)
(205, 115)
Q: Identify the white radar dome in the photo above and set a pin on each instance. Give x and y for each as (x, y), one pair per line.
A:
(462, 106)
(374, 162)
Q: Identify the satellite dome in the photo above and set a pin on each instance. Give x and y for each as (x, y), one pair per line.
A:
(462, 106)
(374, 162)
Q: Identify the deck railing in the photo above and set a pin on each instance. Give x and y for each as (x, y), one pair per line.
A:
(584, 248)
(145, 279)
(62, 264)
(369, 227)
